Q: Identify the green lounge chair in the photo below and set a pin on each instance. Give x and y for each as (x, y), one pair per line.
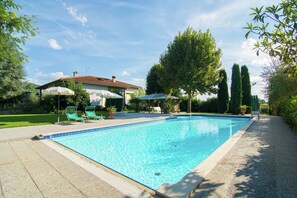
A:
(90, 113)
(71, 114)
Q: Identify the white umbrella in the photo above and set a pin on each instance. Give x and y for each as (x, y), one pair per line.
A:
(58, 91)
(106, 94)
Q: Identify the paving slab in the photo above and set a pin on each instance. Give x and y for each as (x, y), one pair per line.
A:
(261, 164)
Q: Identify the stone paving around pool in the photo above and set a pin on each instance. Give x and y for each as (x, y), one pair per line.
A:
(261, 164)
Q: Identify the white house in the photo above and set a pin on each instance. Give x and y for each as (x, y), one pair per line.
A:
(93, 83)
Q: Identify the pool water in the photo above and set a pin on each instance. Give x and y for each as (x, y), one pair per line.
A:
(153, 153)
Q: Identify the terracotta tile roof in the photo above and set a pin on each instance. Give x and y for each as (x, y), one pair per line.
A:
(95, 81)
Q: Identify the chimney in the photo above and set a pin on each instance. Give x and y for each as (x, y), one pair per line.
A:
(75, 74)
(113, 78)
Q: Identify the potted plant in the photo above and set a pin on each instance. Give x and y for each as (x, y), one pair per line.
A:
(111, 111)
(243, 109)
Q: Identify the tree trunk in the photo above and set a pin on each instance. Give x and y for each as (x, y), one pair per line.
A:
(189, 103)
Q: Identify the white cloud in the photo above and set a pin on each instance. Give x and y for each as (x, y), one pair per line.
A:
(125, 73)
(42, 78)
(54, 44)
(138, 81)
(221, 17)
(249, 53)
(79, 17)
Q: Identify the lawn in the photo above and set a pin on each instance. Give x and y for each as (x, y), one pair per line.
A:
(18, 120)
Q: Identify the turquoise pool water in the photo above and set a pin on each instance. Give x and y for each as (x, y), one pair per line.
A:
(158, 152)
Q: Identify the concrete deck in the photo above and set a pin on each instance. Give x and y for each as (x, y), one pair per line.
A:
(261, 164)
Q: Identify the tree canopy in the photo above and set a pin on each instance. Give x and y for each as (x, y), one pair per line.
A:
(152, 80)
(223, 95)
(81, 98)
(191, 63)
(236, 90)
(14, 31)
(277, 32)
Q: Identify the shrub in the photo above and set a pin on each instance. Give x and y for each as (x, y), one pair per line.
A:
(210, 105)
(264, 108)
(289, 112)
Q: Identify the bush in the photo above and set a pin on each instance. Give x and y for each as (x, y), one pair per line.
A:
(118, 103)
(264, 108)
(289, 112)
(210, 105)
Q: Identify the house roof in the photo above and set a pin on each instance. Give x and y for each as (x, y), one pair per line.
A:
(93, 80)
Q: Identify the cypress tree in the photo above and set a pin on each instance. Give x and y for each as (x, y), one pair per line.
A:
(152, 80)
(236, 90)
(246, 87)
(223, 95)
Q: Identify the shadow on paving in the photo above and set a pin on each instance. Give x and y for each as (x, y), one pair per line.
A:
(206, 189)
(271, 173)
(260, 169)
(268, 168)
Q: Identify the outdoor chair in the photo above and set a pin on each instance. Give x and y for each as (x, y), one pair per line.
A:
(90, 113)
(156, 109)
(71, 114)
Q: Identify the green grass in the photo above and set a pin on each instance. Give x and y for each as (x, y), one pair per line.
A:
(19, 120)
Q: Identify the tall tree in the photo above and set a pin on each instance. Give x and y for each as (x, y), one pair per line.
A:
(236, 93)
(14, 31)
(223, 94)
(277, 32)
(80, 98)
(152, 80)
(191, 63)
(246, 86)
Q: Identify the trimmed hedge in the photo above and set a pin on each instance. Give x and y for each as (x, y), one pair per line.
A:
(289, 112)
(210, 105)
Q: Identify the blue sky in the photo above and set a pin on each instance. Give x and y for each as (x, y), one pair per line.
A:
(125, 38)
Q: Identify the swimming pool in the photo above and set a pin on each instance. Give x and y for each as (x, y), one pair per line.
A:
(153, 153)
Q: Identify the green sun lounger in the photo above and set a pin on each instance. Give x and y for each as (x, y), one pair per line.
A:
(90, 113)
(71, 114)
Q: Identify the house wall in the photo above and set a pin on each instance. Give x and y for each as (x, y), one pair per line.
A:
(97, 100)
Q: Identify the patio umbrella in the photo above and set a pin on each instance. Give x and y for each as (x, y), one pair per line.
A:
(156, 96)
(58, 91)
(105, 94)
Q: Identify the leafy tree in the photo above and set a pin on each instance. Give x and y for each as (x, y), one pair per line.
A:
(152, 80)
(279, 87)
(223, 95)
(81, 98)
(191, 63)
(236, 95)
(277, 32)
(10, 79)
(246, 87)
(14, 31)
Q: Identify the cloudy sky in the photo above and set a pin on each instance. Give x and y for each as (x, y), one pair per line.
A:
(125, 38)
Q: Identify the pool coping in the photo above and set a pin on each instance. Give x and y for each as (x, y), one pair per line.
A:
(193, 179)
(131, 187)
